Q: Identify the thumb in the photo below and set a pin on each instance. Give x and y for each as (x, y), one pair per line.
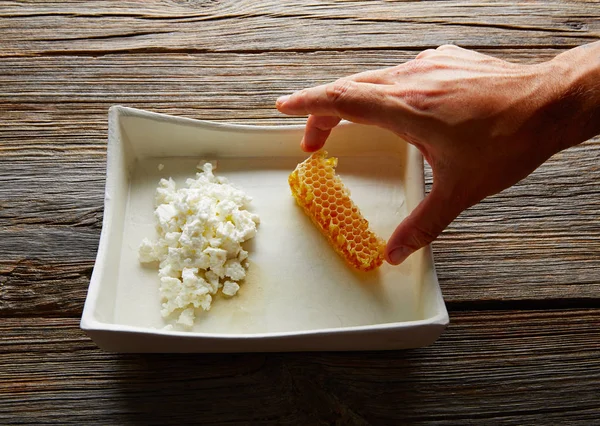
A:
(422, 226)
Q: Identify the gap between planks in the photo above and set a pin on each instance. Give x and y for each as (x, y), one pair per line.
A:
(175, 51)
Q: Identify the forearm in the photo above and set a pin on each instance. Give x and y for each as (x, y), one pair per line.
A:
(578, 74)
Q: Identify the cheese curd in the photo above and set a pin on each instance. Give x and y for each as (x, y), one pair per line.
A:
(201, 229)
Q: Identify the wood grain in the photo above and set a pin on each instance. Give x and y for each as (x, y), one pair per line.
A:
(494, 367)
(249, 26)
(507, 267)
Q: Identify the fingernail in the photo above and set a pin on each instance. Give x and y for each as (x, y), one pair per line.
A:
(398, 255)
(282, 99)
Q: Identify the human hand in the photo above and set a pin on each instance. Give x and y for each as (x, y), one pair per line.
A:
(482, 124)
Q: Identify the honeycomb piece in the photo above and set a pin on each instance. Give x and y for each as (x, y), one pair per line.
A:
(327, 202)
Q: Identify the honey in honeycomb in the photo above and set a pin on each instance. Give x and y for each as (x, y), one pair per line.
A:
(325, 199)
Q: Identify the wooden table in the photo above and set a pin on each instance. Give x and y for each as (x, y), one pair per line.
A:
(520, 272)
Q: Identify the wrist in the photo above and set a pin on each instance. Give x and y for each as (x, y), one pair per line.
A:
(577, 76)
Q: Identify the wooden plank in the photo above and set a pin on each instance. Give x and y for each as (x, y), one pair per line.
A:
(46, 288)
(535, 245)
(495, 367)
(208, 81)
(540, 236)
(249, 26)
(538, 241)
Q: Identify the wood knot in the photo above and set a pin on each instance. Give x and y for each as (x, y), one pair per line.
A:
(579, 26)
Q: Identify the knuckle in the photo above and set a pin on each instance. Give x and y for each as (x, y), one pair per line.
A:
(425, 54)
(302, 95)
(418, 66)
(338, 90)
(447, 47)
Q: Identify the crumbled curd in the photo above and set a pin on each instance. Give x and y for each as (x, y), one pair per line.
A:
(201, 229)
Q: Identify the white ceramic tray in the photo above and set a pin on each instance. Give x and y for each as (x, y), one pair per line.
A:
(299, 294)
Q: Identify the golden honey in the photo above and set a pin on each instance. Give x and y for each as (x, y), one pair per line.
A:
(325, 199)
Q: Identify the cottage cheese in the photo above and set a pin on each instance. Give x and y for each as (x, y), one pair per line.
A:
(201, 229)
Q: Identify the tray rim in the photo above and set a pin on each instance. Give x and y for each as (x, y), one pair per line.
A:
(90, 324)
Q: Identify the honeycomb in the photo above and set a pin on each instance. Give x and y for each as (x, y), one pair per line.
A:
(325, 199)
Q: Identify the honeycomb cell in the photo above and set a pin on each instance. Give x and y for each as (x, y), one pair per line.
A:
(331, 209)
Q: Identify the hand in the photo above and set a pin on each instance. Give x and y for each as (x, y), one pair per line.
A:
(482, 124)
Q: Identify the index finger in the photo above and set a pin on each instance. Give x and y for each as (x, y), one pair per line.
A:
(318, 128)
(351, 100)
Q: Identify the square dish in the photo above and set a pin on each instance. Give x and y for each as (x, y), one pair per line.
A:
(299, 294)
